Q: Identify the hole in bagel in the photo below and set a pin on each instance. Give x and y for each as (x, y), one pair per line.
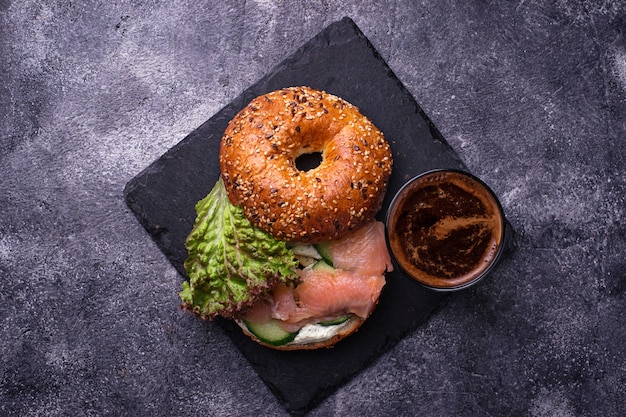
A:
(308, 161)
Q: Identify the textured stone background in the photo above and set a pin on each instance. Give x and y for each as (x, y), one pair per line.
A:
(530, 94)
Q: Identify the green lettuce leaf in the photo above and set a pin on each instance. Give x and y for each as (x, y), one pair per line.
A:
(230, 262)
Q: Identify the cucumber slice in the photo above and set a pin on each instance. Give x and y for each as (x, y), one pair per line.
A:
(324, 250)
(321, 265)
(270, 332)
(334, 322)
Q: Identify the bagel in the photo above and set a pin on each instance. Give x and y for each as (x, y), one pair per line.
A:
(258, 155)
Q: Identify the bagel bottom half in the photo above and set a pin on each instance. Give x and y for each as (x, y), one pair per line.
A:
(335, 334)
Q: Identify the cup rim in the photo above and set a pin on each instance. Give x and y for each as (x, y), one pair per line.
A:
(496, 257)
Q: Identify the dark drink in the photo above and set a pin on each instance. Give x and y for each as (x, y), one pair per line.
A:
(445, 229)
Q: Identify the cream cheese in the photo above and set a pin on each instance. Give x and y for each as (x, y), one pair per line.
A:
(312, 333)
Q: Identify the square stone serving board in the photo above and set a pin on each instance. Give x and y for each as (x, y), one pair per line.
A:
(339, 60)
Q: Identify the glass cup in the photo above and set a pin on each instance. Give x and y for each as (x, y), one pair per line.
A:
(445, 229)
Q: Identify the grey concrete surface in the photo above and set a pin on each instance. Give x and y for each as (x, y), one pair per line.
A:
(530, 94)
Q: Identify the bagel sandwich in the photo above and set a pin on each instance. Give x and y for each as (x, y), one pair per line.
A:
(314, 280)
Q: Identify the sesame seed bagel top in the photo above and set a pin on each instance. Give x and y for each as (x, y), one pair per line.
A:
(257, 161)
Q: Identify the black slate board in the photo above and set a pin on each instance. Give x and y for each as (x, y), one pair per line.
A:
(341, 61)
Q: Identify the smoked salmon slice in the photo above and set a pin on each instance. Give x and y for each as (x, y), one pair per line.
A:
(327, 294)
(364, 251)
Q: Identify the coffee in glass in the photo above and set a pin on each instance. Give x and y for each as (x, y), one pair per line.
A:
(445, 229)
